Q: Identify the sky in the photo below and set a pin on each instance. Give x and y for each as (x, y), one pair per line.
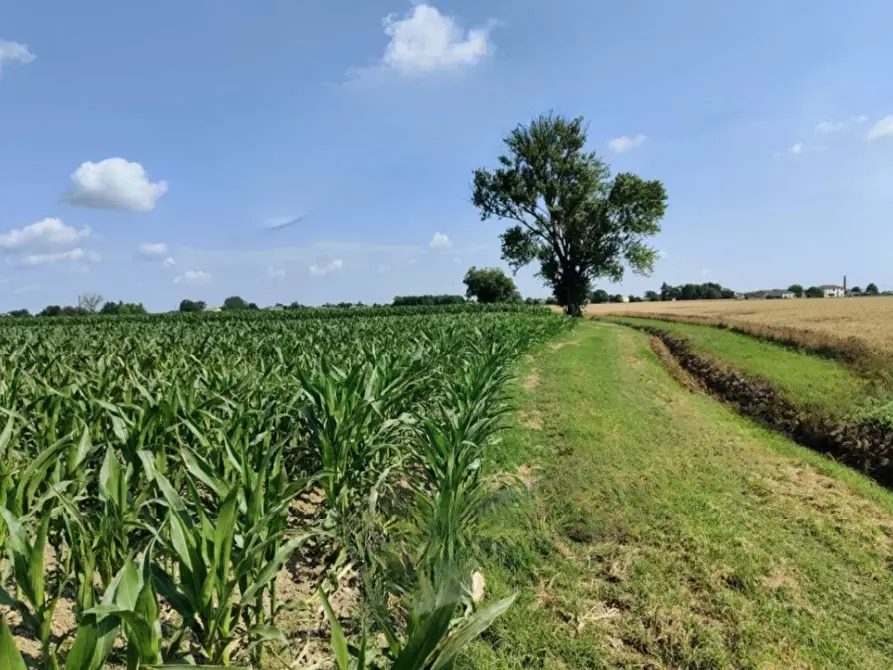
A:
(323, 152)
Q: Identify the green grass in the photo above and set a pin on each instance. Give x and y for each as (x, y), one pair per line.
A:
(806, 379)
(662, 530)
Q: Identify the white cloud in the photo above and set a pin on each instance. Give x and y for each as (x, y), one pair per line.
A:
(883, 128)
(383, 269)
(317, 270)
(426, 40)
(13, 52)
(273, 273)
(194, 277)
(114, 183)
(168, 262)
(44, 234)
(153, 250)
(71, 255)
(621, 144)
(440, 241)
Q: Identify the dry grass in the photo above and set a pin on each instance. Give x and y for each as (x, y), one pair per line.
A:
(866, 319)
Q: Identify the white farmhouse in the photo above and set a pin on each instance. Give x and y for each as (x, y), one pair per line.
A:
(833, 290)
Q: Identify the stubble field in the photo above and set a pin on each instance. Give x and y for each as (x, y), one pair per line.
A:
(868, 319)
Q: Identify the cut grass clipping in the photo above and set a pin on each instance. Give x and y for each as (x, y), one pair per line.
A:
(664, 530)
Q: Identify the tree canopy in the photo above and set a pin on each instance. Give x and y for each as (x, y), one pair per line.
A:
(872, 289)
(569, 214)
(445, 299)
(490, 285)
(815, 292)
(796, 289)
(235, 302)
(706, 291)
(123, 308)
(599, 296)
(192, 305)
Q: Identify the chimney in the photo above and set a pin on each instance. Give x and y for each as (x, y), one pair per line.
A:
(844, 284)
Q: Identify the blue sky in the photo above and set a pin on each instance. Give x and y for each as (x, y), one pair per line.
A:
(156, 151)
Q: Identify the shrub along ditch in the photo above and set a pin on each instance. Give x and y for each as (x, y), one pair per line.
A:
(862, 442)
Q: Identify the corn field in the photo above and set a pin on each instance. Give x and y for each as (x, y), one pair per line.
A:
(204, 490)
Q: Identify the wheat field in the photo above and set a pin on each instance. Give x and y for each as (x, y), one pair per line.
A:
(869, 319)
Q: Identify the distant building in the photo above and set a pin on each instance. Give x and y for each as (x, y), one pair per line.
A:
(770, 294)
(832, 291)
(624, 298)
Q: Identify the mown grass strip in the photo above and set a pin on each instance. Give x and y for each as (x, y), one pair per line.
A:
(809, 381)
(663, 530)
(857, 438)
(853, 351)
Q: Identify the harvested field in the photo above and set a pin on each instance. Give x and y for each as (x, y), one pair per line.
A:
(869, 320)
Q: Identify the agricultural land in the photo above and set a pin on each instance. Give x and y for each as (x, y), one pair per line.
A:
(482, 486)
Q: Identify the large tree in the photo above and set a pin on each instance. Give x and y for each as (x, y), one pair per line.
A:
(570, 215)
(490, 285)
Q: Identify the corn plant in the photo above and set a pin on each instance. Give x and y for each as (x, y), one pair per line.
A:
(149, 464)
(433, 638)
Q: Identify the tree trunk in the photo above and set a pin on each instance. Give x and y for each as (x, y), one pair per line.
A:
(573, 309)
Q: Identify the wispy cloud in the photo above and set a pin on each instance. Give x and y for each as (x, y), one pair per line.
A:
(323, 268)
(799, 148)
(826, 127)
(623, 144)
(14, 52)
(194, 277)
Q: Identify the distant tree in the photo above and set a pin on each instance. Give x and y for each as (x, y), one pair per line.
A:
(652, 296)
(115, 308)
(856, 290)
(551, 300)
(234, 302)
(192, 305)
(89, 302)
(489, 285)
(796, 289)
(668, 292)
(599, 296)
(50, 310)
(296, 305)
(872, 289)
(406, 300)
(253, 305)
(570, 216)
(616, 298)
(815, 292)
(635, 298)
(19, 313)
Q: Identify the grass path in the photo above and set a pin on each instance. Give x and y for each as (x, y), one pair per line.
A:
(662, 530)
(805, 378)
